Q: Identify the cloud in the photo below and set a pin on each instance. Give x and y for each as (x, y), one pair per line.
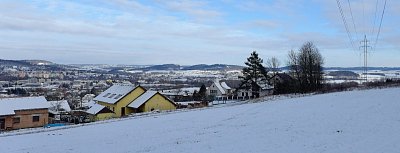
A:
(198, 10)
(152, 32)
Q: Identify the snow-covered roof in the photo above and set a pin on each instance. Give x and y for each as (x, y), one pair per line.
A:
(218, 85)
(8, 105)
(142, 99)
(224, 85)
(114, 93)
(63, 105)
(94, 107)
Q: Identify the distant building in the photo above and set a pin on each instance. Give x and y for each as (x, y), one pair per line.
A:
(231, 89)
(219, 89)
(124, 99)
(58, 109)
(27, 112)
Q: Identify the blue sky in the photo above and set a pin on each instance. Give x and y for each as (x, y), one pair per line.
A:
(193, 32)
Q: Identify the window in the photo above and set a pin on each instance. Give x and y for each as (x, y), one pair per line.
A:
(112, 95)
(35, 118)
(118, 96)
(107, 95)
(16, 120)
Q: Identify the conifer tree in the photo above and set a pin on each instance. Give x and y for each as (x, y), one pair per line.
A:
(202, 92)
(254, 74)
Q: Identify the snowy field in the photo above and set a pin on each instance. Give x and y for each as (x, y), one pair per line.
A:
(357, 121)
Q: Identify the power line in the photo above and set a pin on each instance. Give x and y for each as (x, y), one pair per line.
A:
(363, 5)
(380, 25)
(376, 11)
(352, 18)
(345, 23)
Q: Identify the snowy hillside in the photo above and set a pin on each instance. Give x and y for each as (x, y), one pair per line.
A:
(357, 121)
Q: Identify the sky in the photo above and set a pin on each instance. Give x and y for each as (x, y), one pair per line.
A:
(188, 32)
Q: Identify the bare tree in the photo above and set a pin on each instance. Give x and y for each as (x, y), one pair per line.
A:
(273, 64)
(306, 67)
(57, 105)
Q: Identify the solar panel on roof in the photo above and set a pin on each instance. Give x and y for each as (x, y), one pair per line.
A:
(118, 96)
(112, 95)
(106, 94)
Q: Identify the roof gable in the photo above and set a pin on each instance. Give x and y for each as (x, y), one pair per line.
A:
(142, 99)
(146, 97)
(219, 87)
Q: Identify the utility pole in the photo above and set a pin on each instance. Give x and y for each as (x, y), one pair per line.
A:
(365, 51)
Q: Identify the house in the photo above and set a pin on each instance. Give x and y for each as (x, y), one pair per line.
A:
(257, 89)
(124, 99)
(99, 112)
(26, 112)
(57, 110)
(60, 106)
(283, 83)
(150, 101)
(219, 89)
(232, 89)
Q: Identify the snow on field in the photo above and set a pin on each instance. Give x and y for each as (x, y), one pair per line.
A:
(358, 122)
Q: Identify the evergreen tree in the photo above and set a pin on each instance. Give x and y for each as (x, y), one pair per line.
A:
(202, 94)
(195, 95)
(254, 75)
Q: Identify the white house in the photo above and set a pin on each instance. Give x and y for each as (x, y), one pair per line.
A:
(219, 89)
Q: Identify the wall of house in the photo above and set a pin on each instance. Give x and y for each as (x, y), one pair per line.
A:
(157, 102)
(7, 122)
(266, 92)
(215, 88)
(127, 100)
(104, 116)
(130, 110)
(244, 93)
(26, 119)
(109, 106)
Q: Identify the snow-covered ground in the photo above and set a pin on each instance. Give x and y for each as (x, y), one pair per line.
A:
(358, 121)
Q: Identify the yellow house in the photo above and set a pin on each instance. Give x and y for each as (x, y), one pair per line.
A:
(150, 101)
(99, 112)
(125, 99)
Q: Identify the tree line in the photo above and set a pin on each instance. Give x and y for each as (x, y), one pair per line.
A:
(305, 71)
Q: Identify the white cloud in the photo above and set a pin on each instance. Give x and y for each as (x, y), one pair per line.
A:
(119, 29)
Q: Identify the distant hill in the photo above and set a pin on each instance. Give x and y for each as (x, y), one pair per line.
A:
(34, 64)
(204, 67)
(354, 68)
(14, 63)
(164, 67)
(361, 68)
(343, 73)
(38, 62)
(213, 67)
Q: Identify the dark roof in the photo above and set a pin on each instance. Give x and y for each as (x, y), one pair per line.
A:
(234, 84)
(284, 77)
